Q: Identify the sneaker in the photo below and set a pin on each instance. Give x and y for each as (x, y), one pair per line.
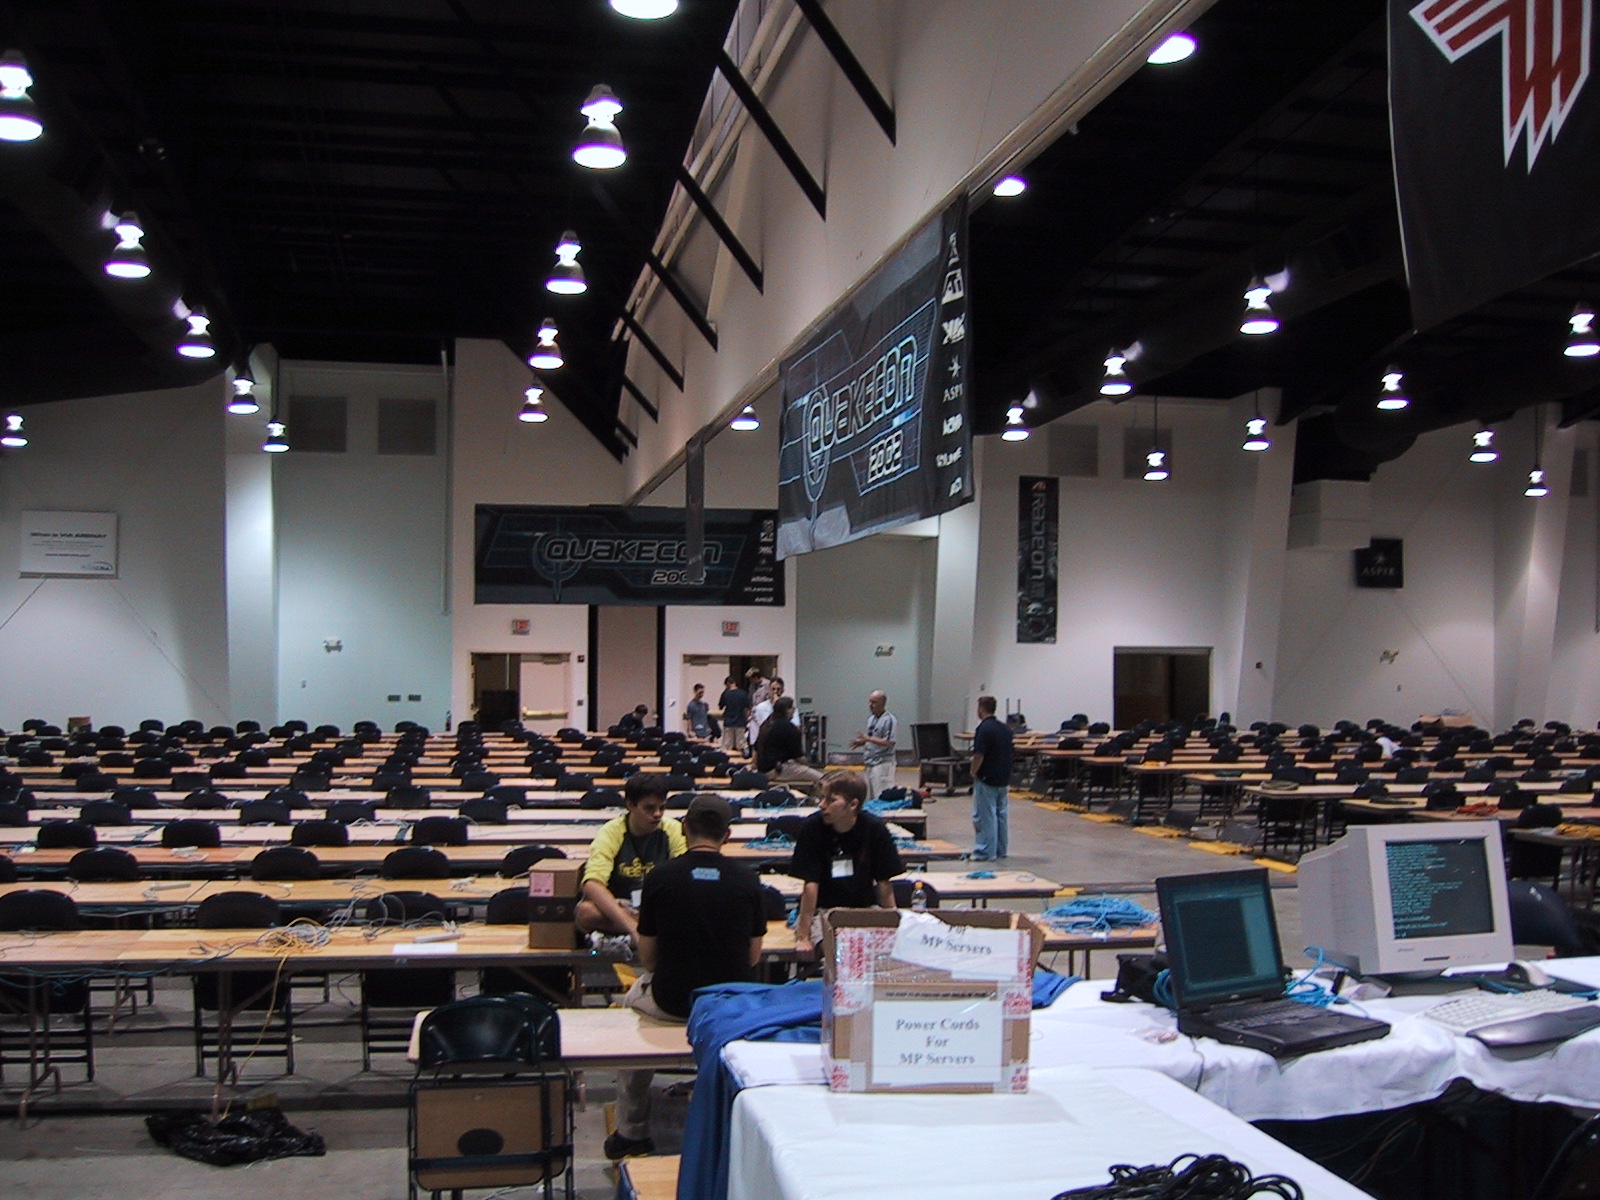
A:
(612, 945)
(618, 1146)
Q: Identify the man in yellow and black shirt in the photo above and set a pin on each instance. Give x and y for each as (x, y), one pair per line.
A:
(625, 850)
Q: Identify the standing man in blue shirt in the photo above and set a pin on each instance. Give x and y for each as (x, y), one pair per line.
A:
(876, 743)
(991, 777)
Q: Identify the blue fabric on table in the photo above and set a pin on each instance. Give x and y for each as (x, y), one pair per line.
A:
(790, 1012)
(1047, 985)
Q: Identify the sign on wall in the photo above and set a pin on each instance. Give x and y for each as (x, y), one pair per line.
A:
(875, 428)
(1381, 564)
(1038, 536)
(544, 554)
(75, 544)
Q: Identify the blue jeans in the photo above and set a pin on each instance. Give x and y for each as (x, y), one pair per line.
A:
(989, 820)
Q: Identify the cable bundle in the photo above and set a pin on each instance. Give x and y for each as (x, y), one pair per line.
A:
(1187, 1177)
(1097, 914)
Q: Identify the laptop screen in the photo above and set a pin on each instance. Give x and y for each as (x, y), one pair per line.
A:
(1222, 937)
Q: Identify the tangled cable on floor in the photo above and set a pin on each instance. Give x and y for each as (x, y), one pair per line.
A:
(1187, 1177)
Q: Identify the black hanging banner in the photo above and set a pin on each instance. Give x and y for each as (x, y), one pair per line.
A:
(875, 429)
(1382, 564)
(530, 554)
(1494, 121)
(1038, 540)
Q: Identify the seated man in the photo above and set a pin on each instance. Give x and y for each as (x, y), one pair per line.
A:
(623, 853)
(845, 856)
(700, 923)
(780, 754)
(636, 721)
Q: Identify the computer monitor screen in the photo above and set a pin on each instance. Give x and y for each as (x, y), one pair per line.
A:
(1222, 938)
(1408, 899)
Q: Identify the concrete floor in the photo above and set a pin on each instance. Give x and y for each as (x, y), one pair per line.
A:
(69, 1155)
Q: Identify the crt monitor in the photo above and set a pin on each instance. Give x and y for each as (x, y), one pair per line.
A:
(1410, 899)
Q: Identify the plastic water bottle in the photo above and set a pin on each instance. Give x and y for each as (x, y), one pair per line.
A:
(919, 897)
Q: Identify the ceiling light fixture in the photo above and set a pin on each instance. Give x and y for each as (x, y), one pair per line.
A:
(1258, 314)
(277, 438)
(1537, 486)
(196, 340)
(1483, 450)
(600, 146)
(1255, 438)
(546, 355)
(1015, 430)
(127, 259)
(1392, 397)
(1175, 47)
(1155, 468)
(746, 420)
(1116, 382)
(1582, 342)
(1011, 185)
(243, 402)
(13, 438)
(566, 277)
(19, 119)
(645, 10)
(533, 406)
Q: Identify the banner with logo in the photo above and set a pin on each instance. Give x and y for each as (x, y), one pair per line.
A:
(1495, 122)
(1038, 541)
(528, 554)
(875, 430)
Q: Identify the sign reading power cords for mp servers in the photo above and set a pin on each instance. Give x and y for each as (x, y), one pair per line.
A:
(527, 554)
(876, 430)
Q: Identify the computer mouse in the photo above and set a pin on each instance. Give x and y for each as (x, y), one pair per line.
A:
(1530, 973)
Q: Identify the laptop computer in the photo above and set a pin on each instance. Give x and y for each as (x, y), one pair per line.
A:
(1227, 971)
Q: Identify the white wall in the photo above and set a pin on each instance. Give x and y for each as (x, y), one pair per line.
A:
(153, 641)
(361, 551)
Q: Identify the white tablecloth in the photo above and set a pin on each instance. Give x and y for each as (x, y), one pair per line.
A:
(1415, 1062)
(799, 1143)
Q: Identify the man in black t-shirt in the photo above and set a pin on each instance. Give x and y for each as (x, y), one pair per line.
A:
(845, 856)
(701, 921)
(735, 705)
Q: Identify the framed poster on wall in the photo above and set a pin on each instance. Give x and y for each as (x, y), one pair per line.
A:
(72, 544)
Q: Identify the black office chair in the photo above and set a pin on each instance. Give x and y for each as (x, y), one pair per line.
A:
(103, 864)
(391, 996)
(264, 812)
(510, 906)
(46, 999)
(439, 831)
(937, 760)
(66, 835)
(191, 834)
(408, 795)
(319, 833)
(242, 993)
(348, 812)
(415, 862)
(285, 864)
(483, 811)
(1541, 917)
(518, 861)
(1572, 1173)
(508, 794)
(8, 870)
(600, 797)
(101, 813)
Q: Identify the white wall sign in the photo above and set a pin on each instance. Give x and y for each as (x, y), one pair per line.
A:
(936, 1041)
(69, 543)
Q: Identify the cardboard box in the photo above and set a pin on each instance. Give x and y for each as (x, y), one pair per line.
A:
(950, 1013)
(552, 903)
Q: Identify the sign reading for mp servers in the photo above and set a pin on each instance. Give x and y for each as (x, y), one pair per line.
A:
(1381, 564)
(876, 430)
(528, 554)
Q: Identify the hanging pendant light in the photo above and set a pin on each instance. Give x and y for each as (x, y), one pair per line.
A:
(1175, 47)
(1011, 185)
(533, 406)
(277, 438)
(1537, 486)
(1015, 430)
(19, 118)
(1155, 462)
(1483, 450)
(196, 339)
(1255, 437)
(1392, 396)
(546, 355)
(1582, 341)
(127, 259)
(566, 277)
(12, 436)
(1116, 381)
(243, 401)
(746, 421)
(1258, 315)
(645, 10)
(600, 146)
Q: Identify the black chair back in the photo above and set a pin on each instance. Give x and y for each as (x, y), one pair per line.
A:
(319, 833)
(103, 864)
(285, 863)
(519, 860)
(104, 812)
(439, 831)
(191, 833)
(264, 812)
(66, 835)
(416, 862)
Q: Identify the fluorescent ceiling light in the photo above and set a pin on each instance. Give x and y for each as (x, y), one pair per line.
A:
(1011, 185)
(1175, 47)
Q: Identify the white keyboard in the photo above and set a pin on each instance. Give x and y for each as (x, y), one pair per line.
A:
(1468, 1014)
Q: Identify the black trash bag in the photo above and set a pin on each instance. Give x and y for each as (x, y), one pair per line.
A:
(240, 1138)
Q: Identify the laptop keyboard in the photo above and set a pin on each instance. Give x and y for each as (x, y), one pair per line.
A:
(1262, 1014)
